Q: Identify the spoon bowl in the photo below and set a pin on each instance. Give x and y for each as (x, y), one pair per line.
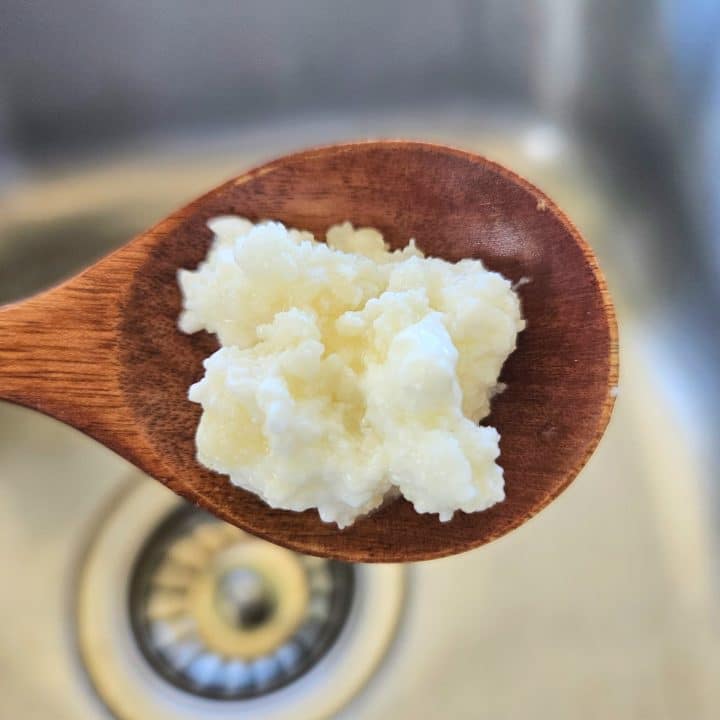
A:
(102, 351)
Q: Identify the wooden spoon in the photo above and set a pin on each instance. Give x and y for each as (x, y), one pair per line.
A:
(102, 352)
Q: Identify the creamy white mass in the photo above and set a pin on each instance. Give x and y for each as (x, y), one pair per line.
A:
(347, 372)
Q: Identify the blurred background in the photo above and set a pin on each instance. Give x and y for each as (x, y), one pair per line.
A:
(118, 601)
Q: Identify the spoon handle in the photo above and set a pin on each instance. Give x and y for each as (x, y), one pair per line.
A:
(57, 354)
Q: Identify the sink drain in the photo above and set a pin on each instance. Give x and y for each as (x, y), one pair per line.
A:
(222, 614)
(181, 616)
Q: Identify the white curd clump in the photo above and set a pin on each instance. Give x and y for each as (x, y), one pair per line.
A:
(347, 372)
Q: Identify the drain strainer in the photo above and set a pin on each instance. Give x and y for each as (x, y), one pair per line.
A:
(181, 616)
(222, 614)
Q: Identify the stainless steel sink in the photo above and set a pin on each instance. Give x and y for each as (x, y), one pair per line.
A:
(604, 606)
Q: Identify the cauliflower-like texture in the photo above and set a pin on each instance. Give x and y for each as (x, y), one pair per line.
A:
(348, 372)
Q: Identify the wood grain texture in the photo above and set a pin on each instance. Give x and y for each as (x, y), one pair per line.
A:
(102, 352)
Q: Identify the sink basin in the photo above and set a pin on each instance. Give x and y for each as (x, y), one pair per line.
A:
(605, 605)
